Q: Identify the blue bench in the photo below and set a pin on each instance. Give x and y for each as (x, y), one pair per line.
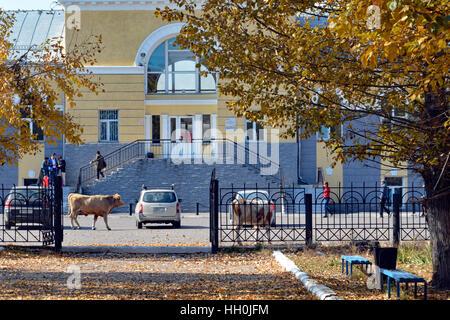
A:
(403, 276)
(354, 260)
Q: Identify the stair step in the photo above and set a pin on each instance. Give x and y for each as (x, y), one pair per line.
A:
(191, 180)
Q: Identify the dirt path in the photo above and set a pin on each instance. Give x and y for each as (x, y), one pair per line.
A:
(37, 274)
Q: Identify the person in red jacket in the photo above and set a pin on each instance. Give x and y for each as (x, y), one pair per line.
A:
(326, 199)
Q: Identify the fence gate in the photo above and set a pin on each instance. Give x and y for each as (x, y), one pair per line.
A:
(32, 214)
(248, 215)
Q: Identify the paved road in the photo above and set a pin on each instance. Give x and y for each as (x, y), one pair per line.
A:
(194, 231)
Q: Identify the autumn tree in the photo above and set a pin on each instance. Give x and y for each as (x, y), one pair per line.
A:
(31, 82)
(381, 63)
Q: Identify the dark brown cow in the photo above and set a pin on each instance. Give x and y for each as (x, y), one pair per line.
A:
(96, 205)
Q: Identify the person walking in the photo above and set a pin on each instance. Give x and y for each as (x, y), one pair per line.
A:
(100, 164)
(62, 169)
(53, 169)
(384, 199)
(326, 199)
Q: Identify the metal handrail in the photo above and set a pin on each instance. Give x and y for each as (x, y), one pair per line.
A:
(137, 149)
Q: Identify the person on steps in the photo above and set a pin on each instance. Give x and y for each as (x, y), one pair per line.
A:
(100, 164)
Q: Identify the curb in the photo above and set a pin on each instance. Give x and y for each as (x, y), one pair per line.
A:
(135, 249)
(319, 290)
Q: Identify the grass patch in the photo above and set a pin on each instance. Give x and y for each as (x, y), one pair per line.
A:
(414, 253)
(323, 264)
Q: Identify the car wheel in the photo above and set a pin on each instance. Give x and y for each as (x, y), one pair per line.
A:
(176, 224)
(139, 225)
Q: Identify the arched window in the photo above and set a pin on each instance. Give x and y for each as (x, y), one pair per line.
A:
(173, 70)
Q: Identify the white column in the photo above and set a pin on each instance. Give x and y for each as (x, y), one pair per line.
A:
(214, 135)
(165, 135)
(148, 132)
(197, 136)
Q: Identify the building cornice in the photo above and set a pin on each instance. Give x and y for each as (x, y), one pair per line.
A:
(182, 102)
(116, 5)
(116, 70)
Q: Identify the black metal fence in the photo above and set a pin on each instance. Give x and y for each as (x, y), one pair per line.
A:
(32, 214)
(300, 215)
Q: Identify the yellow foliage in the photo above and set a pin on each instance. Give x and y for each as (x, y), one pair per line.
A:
(30, 86)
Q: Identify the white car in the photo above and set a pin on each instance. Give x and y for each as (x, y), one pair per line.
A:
(158, 206)
(254, 195)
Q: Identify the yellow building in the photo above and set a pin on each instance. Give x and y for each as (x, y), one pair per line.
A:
(154, 92)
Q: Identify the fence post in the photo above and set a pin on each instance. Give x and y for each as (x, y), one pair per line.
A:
(214, 215)
(57, 212)
(396, 202)
(308, 219)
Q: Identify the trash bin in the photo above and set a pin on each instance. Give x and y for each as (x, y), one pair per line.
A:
(386, 258)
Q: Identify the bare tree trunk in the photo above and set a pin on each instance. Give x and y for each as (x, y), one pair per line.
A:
(438, 211)
(437, 181)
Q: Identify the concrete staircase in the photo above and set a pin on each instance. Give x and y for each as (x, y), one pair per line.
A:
(191, 181)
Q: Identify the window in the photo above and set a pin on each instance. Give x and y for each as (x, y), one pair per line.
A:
(29, 182)
(174, 70)
(399, 113)
(173, 129)
(156, 129)
(254, 131)
(394, 181)
(109, 125)
(326, 132)
(206, 126)
(33, 124)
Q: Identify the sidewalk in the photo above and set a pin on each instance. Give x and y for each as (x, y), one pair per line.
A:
(137, 249)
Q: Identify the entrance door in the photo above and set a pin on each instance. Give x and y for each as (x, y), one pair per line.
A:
(181, 136)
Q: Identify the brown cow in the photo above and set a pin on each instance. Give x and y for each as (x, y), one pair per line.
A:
(253, 212)
(96, 205)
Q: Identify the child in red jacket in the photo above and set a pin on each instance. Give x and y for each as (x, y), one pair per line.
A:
(326, 199)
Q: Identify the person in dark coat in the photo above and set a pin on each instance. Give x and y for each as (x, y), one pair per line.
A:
(384, 199)
(53, 169)
(62, 169)
(100, 164)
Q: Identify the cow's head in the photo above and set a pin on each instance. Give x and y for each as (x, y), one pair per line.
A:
(118, 201)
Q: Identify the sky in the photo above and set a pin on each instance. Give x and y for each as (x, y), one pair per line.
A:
(26, 4)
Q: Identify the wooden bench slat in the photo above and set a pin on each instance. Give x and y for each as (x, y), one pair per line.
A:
(401, 275)
(355, 259)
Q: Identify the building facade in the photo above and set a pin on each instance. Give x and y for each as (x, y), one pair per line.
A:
(154, 91)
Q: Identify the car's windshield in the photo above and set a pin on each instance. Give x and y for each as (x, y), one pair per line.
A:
(26, 194)
(159, 196)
